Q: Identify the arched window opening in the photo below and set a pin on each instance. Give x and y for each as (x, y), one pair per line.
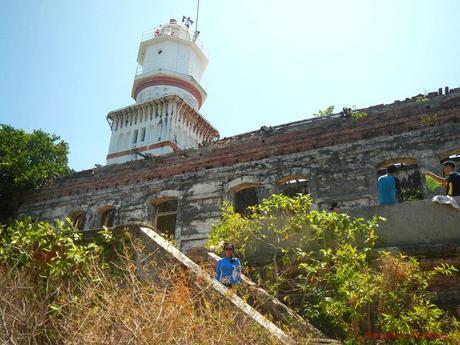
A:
(164, 216)
(106, 216)
(408, 174)
(243, 198)
(78, 219)
(293, 185)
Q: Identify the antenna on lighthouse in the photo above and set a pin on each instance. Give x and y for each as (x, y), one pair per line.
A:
(195, 36)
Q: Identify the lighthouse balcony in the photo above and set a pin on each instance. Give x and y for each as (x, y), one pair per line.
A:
(175, 31)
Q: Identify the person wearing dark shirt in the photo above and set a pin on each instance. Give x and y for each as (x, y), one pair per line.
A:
(451, 179)
(389, 187)
(228, 268)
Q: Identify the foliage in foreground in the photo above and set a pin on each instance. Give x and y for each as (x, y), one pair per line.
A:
(27, 161)
(55, 289)
(324, 264)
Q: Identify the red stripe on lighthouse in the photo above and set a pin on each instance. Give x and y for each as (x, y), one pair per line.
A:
(170, 81)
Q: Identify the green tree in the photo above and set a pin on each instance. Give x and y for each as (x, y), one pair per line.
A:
(27, 161)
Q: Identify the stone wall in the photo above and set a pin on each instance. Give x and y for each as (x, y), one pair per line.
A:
(338, 156)
(415, 223)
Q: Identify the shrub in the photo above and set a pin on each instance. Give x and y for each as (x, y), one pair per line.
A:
(50, 251)
(325, 112)
(421, 99)
(411, 194)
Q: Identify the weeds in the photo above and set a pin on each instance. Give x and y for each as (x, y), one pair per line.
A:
(110, 302)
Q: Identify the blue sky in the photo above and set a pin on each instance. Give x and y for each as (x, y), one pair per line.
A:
(65, 64)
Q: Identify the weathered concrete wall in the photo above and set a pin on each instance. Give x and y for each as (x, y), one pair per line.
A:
(414, 223)
(338, 158)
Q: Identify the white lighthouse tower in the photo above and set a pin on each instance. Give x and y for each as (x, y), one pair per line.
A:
(168, 93)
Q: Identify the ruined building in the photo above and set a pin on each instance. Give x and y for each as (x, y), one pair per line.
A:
(166, 165)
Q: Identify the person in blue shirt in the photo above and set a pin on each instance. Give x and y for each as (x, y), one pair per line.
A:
(228, 268)
(388, 187)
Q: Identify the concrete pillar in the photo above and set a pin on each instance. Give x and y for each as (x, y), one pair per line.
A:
(148, 111)
(372, 183)
(124, 120)
(313, 186)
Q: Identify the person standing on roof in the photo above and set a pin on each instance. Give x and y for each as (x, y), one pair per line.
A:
(451, 180)
(228, 268)
(389, 187)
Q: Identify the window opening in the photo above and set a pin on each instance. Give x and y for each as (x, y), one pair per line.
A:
(294, 186)
(78, 220)
(408, 174)
(143, 134)
(107, 217)
(135, 133)
(165, 216)
(245, 198)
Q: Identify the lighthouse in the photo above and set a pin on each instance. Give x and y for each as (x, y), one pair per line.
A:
(168, 92)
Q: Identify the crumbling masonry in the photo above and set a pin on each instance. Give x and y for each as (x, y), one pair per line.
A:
(335, 159)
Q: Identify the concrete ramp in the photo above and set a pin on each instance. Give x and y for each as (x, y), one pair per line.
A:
(278, 310)
(226, 293)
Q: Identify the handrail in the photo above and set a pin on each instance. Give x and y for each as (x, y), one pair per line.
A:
(181, 32)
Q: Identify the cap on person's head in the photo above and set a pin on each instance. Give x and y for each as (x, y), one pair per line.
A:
(449, 164)
(391, 169)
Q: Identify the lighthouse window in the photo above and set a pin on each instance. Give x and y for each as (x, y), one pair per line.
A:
(135, 133)
(143, 134)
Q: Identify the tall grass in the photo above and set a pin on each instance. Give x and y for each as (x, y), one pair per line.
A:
(113, 303)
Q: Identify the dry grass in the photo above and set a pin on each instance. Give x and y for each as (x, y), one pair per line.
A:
(116, 307)
(396, 272)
